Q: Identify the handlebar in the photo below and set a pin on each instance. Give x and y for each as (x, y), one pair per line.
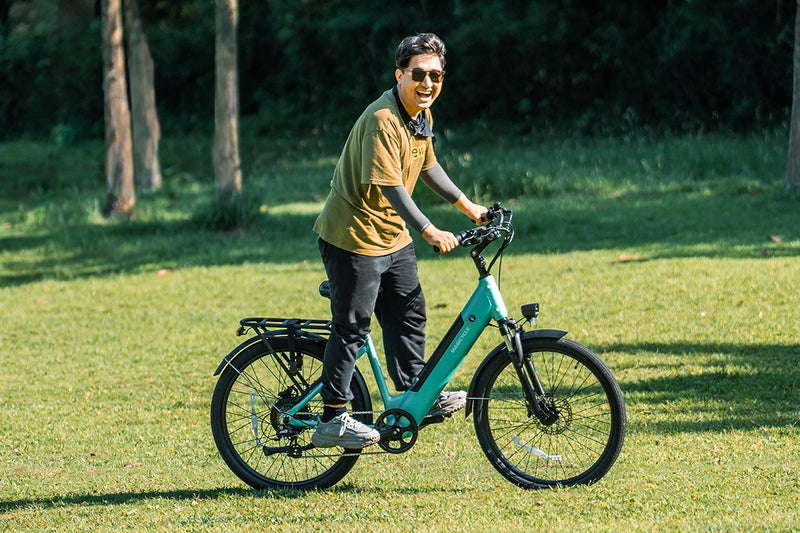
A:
(470, 237)
(489, 232)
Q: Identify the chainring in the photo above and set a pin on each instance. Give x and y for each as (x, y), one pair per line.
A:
(398, 430)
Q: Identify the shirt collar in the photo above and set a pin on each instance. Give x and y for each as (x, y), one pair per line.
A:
(418, 126)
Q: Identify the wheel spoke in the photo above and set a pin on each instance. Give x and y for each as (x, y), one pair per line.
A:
(247, 419)
(584, 440)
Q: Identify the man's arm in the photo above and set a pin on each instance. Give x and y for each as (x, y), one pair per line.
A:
(402, 203)
(440, 183)
(406, 207)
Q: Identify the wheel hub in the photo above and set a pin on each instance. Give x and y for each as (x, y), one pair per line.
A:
(563, 411)
(278, 418)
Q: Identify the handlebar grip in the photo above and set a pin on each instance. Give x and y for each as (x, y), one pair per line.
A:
(460, 237)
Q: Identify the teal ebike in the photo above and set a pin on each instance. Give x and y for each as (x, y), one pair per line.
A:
(547, 411)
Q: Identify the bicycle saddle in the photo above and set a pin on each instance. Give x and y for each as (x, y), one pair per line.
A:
(325, 289)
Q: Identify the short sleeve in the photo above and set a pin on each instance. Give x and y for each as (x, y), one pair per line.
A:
(430, 157)
(380, 159)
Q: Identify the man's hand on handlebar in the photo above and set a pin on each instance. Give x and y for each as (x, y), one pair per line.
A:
(442, 241)
(490, 228)
(474, 211)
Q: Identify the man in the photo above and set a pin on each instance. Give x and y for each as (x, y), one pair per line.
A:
(368, 252)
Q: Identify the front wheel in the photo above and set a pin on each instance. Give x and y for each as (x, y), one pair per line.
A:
(255, 438)
(580, 446)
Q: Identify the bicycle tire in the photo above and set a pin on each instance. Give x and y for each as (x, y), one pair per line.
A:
(585, 441)
(245, 418)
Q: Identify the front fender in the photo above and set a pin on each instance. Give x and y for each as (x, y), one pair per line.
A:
(554, 334)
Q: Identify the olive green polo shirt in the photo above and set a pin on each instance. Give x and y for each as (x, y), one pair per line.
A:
(380, 151)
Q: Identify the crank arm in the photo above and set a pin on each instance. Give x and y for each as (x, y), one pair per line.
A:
(294, 451)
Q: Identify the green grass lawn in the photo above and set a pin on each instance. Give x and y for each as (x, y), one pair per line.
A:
(676, 260)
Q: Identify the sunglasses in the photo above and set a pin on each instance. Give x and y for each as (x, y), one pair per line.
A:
(417, 74)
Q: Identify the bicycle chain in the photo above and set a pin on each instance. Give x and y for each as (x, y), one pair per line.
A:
(473, 398)
(373, 451)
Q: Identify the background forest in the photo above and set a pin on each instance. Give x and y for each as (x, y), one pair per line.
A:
(312, 65)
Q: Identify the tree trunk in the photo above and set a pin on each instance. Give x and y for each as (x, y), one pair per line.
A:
(119, 158)
(146, 127)
(793, 160)
(227, 167)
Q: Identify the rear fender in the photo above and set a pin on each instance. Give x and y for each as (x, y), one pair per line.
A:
(231, 357)
(554, 334)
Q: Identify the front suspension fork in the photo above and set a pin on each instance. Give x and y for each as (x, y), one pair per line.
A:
(535, 394)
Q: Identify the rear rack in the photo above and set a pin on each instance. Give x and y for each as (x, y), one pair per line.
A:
(292, 327)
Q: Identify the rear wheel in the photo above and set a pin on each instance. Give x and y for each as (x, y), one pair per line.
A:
(580, 446)
(252, 432)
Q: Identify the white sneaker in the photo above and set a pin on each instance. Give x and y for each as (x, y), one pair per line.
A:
(448, 403)
(344, 431)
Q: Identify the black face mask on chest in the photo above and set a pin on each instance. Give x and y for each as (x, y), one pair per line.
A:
(419, 126)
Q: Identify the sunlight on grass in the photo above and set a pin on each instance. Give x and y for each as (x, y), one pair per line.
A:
(294, 208)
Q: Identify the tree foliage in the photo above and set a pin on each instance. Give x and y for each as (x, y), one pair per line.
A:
(314, 64)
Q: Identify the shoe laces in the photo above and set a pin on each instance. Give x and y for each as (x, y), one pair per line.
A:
(350, 422)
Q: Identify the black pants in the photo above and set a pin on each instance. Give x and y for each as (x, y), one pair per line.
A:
(361, 285)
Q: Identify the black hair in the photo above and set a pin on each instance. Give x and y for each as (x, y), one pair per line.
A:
(419, 44)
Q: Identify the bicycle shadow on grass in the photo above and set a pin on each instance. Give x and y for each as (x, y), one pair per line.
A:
(127, 498)
(122, 498)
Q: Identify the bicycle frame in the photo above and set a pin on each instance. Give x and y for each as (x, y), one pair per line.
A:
(485, 304)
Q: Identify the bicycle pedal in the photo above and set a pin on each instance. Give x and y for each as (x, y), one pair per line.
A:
(436, 419)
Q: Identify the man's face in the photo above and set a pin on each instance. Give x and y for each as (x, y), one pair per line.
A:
(418, 95)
